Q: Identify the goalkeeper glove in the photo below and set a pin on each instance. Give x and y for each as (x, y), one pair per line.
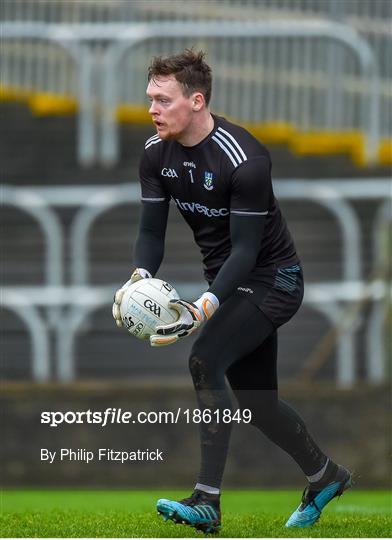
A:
(191, 316)
(139, 273)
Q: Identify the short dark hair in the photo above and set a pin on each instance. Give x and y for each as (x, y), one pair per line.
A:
(188, 68)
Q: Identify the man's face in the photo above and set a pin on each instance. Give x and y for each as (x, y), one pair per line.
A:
(171, 111)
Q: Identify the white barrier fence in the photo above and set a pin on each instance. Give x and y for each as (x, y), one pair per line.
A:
(297, 63)
(105, 67)
(69, 306)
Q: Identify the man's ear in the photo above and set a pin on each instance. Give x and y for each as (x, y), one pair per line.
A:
(198, 101)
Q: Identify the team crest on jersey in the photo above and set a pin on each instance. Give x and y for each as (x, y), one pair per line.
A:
(208, 180)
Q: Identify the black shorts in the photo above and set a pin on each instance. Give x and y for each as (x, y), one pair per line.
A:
(277, 291)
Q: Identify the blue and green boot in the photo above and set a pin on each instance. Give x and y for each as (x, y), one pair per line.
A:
(316, 497)
(201, 510)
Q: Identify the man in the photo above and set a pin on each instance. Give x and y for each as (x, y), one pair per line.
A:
(219, 177)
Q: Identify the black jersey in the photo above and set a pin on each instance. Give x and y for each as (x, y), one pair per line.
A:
(228, 172)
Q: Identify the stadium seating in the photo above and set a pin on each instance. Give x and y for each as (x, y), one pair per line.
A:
(110, 247)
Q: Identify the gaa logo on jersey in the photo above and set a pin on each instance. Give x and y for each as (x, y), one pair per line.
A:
(208, 180)
(171, 173)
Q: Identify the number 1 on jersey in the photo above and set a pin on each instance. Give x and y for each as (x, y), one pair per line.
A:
(190, 172)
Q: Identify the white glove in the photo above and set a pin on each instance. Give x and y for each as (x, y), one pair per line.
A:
(139, 273)
(191, 316)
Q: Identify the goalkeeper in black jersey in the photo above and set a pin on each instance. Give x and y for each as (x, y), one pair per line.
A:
(219, 177)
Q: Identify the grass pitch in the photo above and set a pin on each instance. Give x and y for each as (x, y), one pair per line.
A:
(132, 514)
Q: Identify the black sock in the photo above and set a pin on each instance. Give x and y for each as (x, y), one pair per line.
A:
(327, 477)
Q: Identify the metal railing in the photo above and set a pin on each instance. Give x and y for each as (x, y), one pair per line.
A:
(79, 299)
(371, 18)
(266, 94)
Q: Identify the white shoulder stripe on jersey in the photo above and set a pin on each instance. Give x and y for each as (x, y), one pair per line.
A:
(152, 199)
(243, 213)
(152, 142)
(151, 138)
(234, 141)
(225, 150)
(230, 146)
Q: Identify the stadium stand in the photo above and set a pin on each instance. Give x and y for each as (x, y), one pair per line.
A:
(308, 91)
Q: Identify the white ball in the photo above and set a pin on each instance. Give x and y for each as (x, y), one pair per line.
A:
(144, 306)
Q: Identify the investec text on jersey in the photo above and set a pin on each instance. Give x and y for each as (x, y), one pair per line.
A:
(209, 212)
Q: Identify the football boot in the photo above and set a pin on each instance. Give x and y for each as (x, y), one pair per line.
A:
(314, 500)
(201, 510)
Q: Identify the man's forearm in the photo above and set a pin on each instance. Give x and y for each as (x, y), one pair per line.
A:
(150, 242)
(246, 235)
(235, 270)
(149, 250)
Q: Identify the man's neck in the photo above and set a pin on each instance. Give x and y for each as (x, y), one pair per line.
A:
(198, 131)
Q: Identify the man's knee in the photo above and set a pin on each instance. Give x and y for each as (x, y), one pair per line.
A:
(198, 361)
(203, 364)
